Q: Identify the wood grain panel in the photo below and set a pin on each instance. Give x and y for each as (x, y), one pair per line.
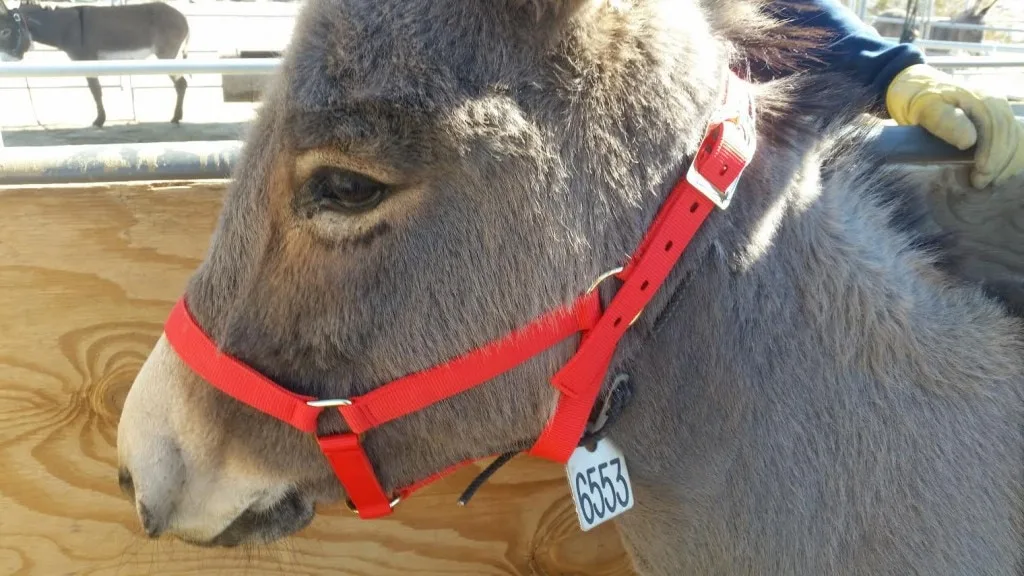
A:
(87, 276)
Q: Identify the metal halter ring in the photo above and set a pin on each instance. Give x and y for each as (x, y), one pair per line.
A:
(604, 277)
(352, 508)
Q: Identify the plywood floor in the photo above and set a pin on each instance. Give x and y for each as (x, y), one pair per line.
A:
(87, 276)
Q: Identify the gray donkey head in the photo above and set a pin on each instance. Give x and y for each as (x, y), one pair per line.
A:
(15, 39)
(426, 176)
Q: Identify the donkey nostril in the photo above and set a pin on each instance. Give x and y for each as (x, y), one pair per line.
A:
(124, 480)
(150, 523)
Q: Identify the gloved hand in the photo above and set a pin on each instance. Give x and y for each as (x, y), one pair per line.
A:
(924, 96)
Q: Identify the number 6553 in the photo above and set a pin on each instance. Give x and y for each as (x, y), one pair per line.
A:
(598, 496)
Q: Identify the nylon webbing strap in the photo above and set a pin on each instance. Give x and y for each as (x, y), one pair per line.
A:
(583, 375)
(419, 390)
(721, 158)
(235, 378)
(353, 469)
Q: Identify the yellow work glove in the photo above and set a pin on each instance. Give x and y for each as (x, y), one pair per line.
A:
(924, 96)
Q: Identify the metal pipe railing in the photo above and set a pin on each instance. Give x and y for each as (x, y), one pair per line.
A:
(84, 68)
(73, 164)
(204, 160)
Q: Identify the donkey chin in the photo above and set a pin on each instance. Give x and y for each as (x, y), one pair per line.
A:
(263, 525)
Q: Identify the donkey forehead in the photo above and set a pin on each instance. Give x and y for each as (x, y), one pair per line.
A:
(429, 48)
(358, 69)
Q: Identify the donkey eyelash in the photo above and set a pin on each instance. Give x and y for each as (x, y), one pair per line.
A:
(340, 190)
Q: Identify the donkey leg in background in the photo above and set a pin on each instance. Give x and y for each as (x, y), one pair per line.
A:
(97, 95)
(169, 49)
(179, 88)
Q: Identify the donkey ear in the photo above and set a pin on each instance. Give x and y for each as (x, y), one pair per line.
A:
(979, 8)
(3, 8)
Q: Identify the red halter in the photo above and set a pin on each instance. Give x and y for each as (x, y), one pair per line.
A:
(727, 148)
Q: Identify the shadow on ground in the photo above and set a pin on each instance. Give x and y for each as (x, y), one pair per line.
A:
(122, 133)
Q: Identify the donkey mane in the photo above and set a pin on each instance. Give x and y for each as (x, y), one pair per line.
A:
(826, 108)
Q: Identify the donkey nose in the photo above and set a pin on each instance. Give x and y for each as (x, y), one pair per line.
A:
(155, 502)
(153, 525)
(124, 480)
(153, 476)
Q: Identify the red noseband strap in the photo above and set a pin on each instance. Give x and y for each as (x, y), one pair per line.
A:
(710, 181)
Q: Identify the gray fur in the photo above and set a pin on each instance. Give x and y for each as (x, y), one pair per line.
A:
(815, 393)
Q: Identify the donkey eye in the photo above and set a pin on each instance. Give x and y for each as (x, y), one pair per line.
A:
(5, 33)
(342, 190)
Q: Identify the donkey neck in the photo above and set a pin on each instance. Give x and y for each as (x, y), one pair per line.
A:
(59, 28)
(797, 313)
(728, 329)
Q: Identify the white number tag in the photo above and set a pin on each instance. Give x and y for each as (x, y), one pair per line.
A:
(599, 483)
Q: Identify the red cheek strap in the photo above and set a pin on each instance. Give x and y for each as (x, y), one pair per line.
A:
(353, 468)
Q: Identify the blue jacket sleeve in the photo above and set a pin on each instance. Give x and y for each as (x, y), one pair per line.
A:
(852, 46)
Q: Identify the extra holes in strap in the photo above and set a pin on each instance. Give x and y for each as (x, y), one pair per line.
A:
(646, 283)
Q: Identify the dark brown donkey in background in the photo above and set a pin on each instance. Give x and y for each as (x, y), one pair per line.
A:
(974, 14)
(102, 33)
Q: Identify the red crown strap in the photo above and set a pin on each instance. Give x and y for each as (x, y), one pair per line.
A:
(585, 371)
(722, 156)
(419, 390)
(232, 377)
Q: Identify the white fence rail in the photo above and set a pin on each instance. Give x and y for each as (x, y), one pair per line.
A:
(82, 68)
